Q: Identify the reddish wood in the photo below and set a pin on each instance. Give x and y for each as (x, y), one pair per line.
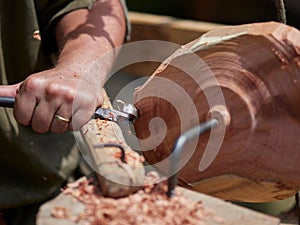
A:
(257, 69)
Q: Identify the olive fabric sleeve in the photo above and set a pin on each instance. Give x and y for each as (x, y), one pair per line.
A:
(53, 10)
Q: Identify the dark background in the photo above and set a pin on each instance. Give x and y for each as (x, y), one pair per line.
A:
(220, 11)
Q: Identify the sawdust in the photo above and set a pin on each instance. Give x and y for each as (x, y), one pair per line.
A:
(149, 206)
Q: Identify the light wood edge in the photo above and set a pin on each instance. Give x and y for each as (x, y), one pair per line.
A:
(116, 179)
(229, 212)
(171, 23)
(258, 190)
(165, 28)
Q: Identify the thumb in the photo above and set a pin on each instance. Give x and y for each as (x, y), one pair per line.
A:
(9, 90)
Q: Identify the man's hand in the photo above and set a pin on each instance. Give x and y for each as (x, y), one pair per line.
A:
(56, 92)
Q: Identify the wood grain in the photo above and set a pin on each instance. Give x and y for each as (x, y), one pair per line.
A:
(256, 68)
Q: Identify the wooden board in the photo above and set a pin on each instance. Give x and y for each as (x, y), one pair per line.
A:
(249, 78)
(156, 27)
(165, 28)
(231, 214)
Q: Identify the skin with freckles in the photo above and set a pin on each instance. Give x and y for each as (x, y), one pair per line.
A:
(68, 90)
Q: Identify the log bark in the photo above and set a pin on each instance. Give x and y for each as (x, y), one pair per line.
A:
(248, 77)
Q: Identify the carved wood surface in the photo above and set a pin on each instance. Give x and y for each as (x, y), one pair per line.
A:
(250, 74)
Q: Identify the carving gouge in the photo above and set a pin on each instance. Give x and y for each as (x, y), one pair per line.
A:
(126, 114)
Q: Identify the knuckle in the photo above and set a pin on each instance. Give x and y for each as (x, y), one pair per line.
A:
(57, 90)
(31, 84)
(69, 95)
(53, 89)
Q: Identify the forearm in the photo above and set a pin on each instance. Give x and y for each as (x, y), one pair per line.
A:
(85, 35)
(73, 89)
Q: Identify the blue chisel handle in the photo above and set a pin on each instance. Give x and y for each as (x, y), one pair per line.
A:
(7, 101)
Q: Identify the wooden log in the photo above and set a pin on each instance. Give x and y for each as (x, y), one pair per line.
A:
(249, 78)
(116, 179)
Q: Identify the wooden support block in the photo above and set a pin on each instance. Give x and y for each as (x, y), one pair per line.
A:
(229, 213)
(248, 77)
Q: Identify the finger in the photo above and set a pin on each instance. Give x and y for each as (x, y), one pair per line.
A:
(61, 119)
(42, 117)
(83, 110)
(9, 90)
(23, 108)
(80, 118)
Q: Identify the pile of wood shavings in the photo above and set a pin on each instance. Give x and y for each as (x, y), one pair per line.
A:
(149, 206)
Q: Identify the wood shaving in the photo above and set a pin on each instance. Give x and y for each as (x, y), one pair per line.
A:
(149, 206)
(60, 212)
(36, 35)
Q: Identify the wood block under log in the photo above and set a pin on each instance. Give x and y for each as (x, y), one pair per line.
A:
(117, 179)
(248, 77)
(72, 212)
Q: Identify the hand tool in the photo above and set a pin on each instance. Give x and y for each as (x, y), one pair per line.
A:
(127, 113)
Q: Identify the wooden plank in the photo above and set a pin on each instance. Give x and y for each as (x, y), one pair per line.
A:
(229, 213)
(117, 179)
(249, 81)
(156, 27)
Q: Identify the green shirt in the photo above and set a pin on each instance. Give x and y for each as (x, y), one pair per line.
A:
(32, 166)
